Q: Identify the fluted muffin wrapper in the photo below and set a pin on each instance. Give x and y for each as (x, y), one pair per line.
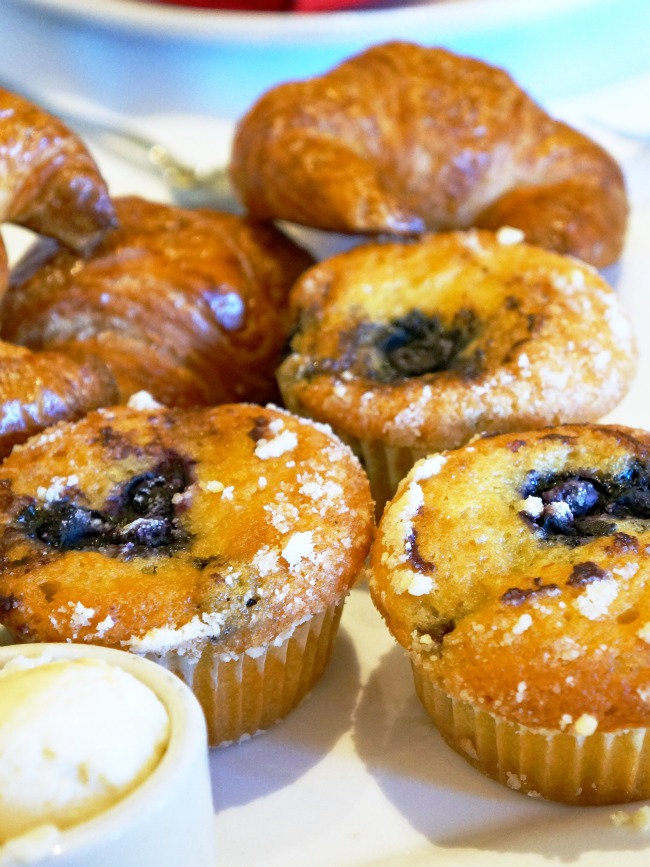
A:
(601, 768)
(244, 694)
(385, 465)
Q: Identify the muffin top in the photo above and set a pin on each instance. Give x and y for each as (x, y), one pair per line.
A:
(515, 570)
(424, 344)
(150, 529)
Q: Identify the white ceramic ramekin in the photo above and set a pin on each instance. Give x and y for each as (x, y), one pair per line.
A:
(169, 818)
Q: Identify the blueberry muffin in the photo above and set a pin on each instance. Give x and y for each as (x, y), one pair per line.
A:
(409, 348)
(516, 572)
(220, 543)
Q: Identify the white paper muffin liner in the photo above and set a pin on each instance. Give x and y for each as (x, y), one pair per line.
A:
(385, 466)
(245, 694)
(601, 768)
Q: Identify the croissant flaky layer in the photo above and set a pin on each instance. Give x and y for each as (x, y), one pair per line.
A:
(403, 138)
(188, 305)
(49, 182)
(38, 389)
(126, 296)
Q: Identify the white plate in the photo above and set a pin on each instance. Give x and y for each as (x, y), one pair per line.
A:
(398, 19)
(357, 776)
(137, 57)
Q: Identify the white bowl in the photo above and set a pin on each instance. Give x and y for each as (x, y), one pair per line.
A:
(169, 817)
(141, 58)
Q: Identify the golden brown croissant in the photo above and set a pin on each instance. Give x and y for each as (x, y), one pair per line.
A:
(187, 305)
(38, 389)
(402, 138)
(48, 180)
(48, 183)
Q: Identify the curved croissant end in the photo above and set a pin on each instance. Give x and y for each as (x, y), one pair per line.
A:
(49, 182)
(402, 138)
(38, 389)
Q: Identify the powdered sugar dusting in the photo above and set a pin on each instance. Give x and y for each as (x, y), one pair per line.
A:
(299, 547)
(595, 601)
(283, 441)
(58, 486)
(163, 638)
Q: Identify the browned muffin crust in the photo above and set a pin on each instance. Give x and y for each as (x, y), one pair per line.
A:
(151, 529)
(422, 345)
(515, 571)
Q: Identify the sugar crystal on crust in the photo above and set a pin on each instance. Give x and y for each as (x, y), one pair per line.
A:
(523, 362)
(524, 623)
(212, 487)
(81, 615)
(317, 488)
(428, 467)
(420, 585)
(597, 597)
(142, 400)
(567, 648)
(644, 633)
(507, 235)
(413, 416)
(638, 819)
(161, 638)
(299, 547)
(266, 561)
(58, 486)
(627, 571)
(403, 578)
(104, 625)
(282, 514)
(585, 725)
(283, 441)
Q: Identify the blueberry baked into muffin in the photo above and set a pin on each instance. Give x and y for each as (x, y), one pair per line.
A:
(409, 348)
(219, 542)
(404, 138)
(516, 572)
